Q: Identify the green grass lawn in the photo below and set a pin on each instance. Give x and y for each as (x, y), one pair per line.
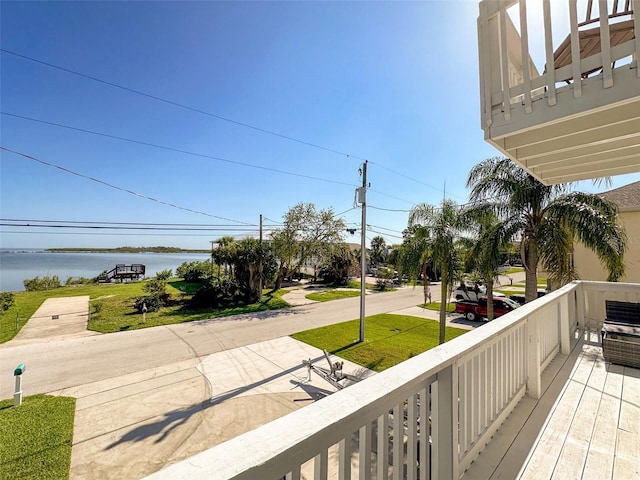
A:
(36, 437)
(389, 339)
(111, 306)
(451, 306)
(329, 295)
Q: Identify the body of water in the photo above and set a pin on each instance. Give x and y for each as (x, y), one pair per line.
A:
(18, 265)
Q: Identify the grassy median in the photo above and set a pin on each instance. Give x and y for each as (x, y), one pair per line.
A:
(389, 339)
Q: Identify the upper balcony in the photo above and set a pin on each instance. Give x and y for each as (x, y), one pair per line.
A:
(525, 396)
(560, 85)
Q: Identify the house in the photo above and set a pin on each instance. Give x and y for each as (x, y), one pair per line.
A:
(529, 395)
(586, 263)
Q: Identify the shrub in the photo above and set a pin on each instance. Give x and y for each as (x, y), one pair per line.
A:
(218, 294)
(44, 283)
(6, 301)
(164, 275)
(79, 281)
(152, 302)
(194, 271)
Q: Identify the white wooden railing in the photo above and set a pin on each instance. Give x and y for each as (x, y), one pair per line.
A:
(426, 418)
(509, 79)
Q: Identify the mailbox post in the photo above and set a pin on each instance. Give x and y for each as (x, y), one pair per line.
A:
(17, 396)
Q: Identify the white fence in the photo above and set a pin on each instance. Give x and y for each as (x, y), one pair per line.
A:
(426, 418)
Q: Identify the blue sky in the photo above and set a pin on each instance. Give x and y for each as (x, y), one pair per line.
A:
(395, 83)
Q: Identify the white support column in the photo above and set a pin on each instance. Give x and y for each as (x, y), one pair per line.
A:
(534, 386)
(485, 75)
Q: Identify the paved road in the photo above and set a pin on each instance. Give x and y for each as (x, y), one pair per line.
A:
(72, 362)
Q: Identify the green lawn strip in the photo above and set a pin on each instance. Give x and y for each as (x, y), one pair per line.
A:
(26, 303)
(116, 314)
(111, 306)
(332, 295)
(451, 306)
(389, 339)
(36, 437)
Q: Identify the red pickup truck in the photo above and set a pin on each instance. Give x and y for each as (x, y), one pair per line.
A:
(478, 310)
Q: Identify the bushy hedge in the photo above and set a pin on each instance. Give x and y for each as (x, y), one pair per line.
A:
(44, 283)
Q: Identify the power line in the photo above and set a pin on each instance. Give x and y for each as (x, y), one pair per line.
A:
(388, 209)
(172, 149)
(106, 227)
(180, 105)
(122, 223)
(115, 187)
(219, 117)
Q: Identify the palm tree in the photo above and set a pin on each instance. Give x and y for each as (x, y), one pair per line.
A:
(443, 226)
(548, 220)
(378, 246)
(485, 248)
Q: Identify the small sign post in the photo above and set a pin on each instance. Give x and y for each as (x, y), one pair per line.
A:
(17, 396)
(144, 312)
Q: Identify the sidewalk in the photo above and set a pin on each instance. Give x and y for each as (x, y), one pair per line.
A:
(56, 319)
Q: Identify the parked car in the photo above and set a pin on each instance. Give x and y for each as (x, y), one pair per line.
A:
(478, 310)
(471, 291)
(519, 297)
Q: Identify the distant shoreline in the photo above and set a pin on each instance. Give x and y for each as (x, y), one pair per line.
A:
(124, 250)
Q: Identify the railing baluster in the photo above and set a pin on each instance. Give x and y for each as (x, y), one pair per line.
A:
(504, 57)
(398, 446)
(344, 459)
(425, 433)
(575, 49)
(524, 39)
(320, 465)
(382, 457)
(412, 438)
(364, 447)
(605, 42)
(548, 43)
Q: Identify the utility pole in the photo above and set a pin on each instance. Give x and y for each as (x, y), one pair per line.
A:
(260, 267)
(362, 199)
(212, 242)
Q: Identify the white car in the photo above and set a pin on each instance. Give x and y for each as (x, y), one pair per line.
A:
(471, 291)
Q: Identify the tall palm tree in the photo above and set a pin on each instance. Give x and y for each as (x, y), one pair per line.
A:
(443, 226)
(485, 249)
(548, 219)
(378, 246)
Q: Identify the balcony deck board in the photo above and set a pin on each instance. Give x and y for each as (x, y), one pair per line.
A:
(586, 425)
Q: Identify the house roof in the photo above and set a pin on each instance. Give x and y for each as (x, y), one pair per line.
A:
(626, 197)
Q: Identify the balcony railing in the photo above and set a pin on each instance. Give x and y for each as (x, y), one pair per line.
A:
(426, 418)
(560, 85)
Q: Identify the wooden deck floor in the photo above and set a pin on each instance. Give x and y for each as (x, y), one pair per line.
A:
(586, 425)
